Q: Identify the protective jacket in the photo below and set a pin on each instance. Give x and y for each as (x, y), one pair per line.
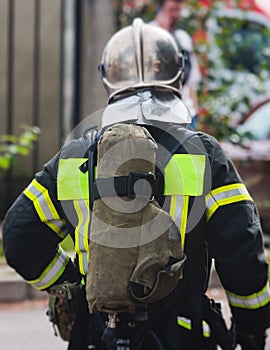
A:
(216, 217)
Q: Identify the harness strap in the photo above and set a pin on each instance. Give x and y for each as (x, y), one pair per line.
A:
(125, 186)
(169, 142)
(89, 141)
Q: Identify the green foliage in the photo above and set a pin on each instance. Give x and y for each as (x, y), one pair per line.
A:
(234, 67)
(221, 128)
(12, 146)
(232, 57)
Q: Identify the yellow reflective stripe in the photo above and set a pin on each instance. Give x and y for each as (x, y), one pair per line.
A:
(81, 233)
(186, 323)
(179, 213)
(176, 203)
(45, 208)
(224, 195)
(28, 194)
(36, 203)
(183, 225)
(252, 301)
(47, 198)
(52, 272)
(176, 209)
(173, 206)
(57, 228)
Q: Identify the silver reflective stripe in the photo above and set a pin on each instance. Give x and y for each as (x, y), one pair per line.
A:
(210, 202)
(36, 192)
(61, 225)
(230, 193)
(52, 272)
(252, 301)
(45, 208)
(186, 323)
(178, 211)
(224, 195)
(81, 233)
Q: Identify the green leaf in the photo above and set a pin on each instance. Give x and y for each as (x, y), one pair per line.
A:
(12, 149)
(23, 150)
(4, 163)
(8, 138)
(12, 146)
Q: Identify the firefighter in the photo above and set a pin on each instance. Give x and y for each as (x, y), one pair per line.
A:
(215, 215)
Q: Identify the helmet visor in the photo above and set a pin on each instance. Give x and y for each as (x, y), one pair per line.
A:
(160, 58)
(121, 69)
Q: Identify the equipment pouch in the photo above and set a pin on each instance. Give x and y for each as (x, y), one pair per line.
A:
(64, 304)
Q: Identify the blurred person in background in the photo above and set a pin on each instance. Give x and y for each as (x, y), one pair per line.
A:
(168, 17)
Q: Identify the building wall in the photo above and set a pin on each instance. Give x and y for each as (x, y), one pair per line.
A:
(98, 25)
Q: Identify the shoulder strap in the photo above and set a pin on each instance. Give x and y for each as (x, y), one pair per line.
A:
(90, 137)
(89, 142)
(170, 140)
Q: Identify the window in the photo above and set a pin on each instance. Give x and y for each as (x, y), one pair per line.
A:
(258, 123)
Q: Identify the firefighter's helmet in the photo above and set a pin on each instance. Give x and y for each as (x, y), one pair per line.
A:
(140, 56)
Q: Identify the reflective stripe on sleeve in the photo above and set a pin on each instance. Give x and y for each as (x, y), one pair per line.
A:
(45, 208)
(81, 233)
(252, 301)
(52, 272)
(225, 195)
(186, 323)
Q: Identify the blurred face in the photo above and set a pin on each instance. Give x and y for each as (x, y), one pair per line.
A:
(172, 11)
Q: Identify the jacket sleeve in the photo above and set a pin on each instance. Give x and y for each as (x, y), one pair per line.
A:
(235, 242)
(32, 230)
